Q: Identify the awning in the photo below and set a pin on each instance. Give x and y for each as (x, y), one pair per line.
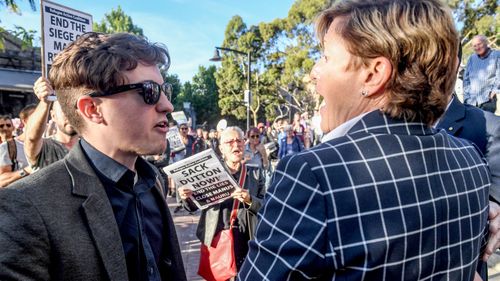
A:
(18, 80)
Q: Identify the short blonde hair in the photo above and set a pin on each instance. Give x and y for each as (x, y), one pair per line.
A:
(418, 37)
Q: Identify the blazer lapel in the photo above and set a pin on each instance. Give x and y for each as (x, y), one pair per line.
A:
(98, 214)
(452, 119)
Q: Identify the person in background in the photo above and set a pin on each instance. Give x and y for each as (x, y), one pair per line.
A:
(188, 141)
(100, 213)
(289, 145)
(298, 126)
(213, 141)
(385, 196)
(216, 218)
(6, 128)
(255, 153)
(199, 143)
(263, 133)
(41, 151)
(13, 162)
(482, 75)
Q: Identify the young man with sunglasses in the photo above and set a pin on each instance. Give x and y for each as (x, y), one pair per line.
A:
(100, 213)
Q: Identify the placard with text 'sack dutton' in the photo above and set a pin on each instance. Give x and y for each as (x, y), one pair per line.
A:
(205, 175)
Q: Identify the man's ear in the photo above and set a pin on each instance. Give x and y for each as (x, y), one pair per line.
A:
(89, 109)
(378, 74)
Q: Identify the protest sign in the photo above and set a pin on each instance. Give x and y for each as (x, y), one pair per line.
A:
(180, 117)
(60, 26)
(174, 138)
(205, 175)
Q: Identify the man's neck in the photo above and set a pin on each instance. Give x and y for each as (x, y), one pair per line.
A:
(234, 167)
(66, 140)
(485, 54)
(5, 138)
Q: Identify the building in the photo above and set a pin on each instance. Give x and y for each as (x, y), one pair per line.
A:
(19, 69)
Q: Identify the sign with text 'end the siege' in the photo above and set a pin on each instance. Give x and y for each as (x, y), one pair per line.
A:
(61, 25)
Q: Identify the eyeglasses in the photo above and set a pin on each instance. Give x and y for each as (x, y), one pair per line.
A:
(184, 128)
(233, 141)
(150, 91)
(254, 137)
(5, 125)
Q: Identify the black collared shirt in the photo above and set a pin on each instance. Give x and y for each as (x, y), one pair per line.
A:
(137, 211)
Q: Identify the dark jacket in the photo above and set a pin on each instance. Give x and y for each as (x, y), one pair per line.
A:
(296, 146)
(208, 225)
(480, 127)
(58, 225)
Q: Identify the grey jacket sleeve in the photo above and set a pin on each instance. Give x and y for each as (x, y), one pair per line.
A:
(24, 243)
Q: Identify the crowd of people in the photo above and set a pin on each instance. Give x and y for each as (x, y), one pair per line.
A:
(393, 178)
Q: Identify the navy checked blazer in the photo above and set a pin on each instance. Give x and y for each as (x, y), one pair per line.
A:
(390, 200)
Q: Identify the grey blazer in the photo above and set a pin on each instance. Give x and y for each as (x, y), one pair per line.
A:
(208, 224)
(57, 224)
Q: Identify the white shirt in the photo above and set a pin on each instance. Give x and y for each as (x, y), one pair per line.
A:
(5, 157)
(342, 130)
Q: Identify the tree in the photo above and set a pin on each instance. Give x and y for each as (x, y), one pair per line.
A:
(477, 17)
(11, 5)
(117, 21)
(283, 54)
(203, 95)
(26, 36)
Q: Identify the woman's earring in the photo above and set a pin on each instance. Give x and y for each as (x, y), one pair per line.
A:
(364, 93)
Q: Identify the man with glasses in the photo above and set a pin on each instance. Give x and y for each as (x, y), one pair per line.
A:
(482, 75)
(6, 128)
(13, 162)
(100, 213)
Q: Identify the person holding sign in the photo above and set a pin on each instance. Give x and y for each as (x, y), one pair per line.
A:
(217, 217)
(100, 213)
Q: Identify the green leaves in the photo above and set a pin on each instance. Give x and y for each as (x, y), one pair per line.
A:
(283, 53)
(117, 21)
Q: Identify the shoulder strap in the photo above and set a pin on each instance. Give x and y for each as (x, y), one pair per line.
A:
(236, 203)
(11, 146)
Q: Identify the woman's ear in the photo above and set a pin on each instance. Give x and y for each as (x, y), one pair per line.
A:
(89, 109)
(378, 73)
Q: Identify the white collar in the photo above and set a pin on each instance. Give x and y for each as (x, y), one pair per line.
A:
(342, 130)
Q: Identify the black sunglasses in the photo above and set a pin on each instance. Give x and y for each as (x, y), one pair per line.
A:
(5, 125)
(150, 91)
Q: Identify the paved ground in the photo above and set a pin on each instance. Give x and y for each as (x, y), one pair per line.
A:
(186, 223)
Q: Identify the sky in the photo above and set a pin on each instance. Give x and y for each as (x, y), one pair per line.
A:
(189, 28)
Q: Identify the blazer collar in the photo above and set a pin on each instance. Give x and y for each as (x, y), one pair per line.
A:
(452, 119)
(376, 122)
(98, 213)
